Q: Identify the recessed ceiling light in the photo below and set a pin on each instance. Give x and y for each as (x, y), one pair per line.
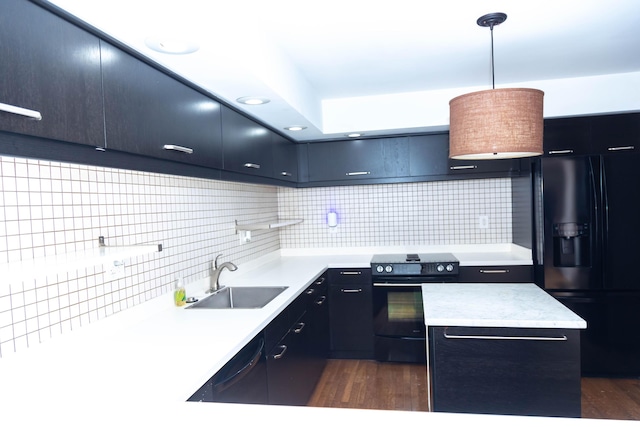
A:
(295, 128)
(354, 135)
(252, 100)
(171, 45)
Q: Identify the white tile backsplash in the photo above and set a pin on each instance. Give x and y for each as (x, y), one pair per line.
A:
(52, 208)
(426, 213)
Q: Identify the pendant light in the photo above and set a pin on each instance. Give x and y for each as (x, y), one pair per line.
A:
(496, 123)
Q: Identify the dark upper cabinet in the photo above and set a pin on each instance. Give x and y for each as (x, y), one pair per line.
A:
(285, 159)
(618, 133)
(247, 145)
(148, 112)
(351, 160)
(428, 155)
(567, 136)
(50, 66)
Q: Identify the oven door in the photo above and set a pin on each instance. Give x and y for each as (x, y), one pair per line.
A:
(397, 311)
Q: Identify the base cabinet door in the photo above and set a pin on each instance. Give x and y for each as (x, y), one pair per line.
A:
(510, 371)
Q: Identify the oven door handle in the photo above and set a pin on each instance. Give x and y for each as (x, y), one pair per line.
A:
(405, 284)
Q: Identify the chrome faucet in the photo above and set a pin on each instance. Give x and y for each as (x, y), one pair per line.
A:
(215, 273)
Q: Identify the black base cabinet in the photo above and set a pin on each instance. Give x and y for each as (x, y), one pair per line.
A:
(510, 371)
(497, 274)
(351, 319)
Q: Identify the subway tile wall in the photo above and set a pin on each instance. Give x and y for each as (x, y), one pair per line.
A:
(429, 213)
(51, 208)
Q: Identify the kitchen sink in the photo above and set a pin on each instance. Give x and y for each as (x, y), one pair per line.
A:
(240, 297)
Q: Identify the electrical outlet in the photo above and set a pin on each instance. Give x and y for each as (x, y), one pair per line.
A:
(245, 236)
(483, 221)
(114, 271)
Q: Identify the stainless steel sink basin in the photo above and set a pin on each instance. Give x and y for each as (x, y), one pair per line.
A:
(240, 297)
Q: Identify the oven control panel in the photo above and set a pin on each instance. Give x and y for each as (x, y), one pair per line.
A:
(415, 265)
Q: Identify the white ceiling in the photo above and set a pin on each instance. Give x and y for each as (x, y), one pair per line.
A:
(385, 67)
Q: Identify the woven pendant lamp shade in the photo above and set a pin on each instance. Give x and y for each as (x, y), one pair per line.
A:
(496, 124)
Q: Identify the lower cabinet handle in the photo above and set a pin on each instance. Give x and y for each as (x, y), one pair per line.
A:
(321, 300)
(499, 337)
(299, 328)
(628, 147)
(351, 273)
(309, 291)
(351, 291)
(455, 168)
(284, 173)
(560, 151)
(281, 354)
(31, 114)
(494, 271)
(178, 148)
(320, 281)
(358, 173)
(252, 165)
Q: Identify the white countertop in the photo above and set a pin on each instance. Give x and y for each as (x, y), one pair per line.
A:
(139, 366)
(511, 305)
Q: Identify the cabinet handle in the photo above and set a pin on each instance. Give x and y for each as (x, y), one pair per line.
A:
(178, 148)
(252, 165)
(351, 273)
(320, 281)
(282, 352)
(455, 168)
(358, 173)
(284, 173)
(310, 291)
(494, 271)
(321, 300)
(499, 337)
(351, 291)
(627, 147)
(560, 151)
(32, 114)
(299, 328)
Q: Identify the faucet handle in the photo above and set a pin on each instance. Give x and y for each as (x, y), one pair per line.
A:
(215, 262)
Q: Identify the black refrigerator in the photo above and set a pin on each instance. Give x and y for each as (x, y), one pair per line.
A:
(587, 252)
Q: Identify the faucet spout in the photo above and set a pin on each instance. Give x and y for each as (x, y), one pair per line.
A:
(215, 273)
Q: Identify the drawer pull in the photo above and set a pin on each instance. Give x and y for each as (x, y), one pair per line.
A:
(358, 173)
(283, 349)
(455, 168)
(560, 151)
(494, 271)
(628, 147)
(178, 148)
(351, 273)
(31, 114)
(285, 173)
(252, 165)
(310, 291)
(321, 300)
(351, 291)
(499, 337)
(320, 281)
(299, 328)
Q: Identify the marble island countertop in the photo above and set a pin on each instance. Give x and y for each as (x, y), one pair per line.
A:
(139, 366)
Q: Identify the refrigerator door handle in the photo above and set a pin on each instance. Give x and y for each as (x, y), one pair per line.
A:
(605, 207)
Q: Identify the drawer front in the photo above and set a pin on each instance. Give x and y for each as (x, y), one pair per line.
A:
(343, 276)
(497, 274)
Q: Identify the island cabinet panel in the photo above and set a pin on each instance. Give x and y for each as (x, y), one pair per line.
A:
(247, 145)
(496, 274)
(52, 68)
(511, 371)
(351, 313)
(150, 113)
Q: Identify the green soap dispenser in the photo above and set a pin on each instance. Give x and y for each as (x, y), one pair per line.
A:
(179, 293)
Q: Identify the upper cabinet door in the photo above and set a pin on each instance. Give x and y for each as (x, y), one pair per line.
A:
(247, 145)
(567, 136)
(150, 113)
(285, 159)
(347, 160)
(429, 155)
(616, 134)
(49, 67)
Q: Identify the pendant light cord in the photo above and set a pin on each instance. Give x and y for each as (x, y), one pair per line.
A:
(493, 77)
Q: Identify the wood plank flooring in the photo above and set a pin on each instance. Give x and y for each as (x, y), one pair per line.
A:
(367, 384)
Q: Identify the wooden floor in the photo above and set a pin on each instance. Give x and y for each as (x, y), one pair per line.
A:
(367, 384)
